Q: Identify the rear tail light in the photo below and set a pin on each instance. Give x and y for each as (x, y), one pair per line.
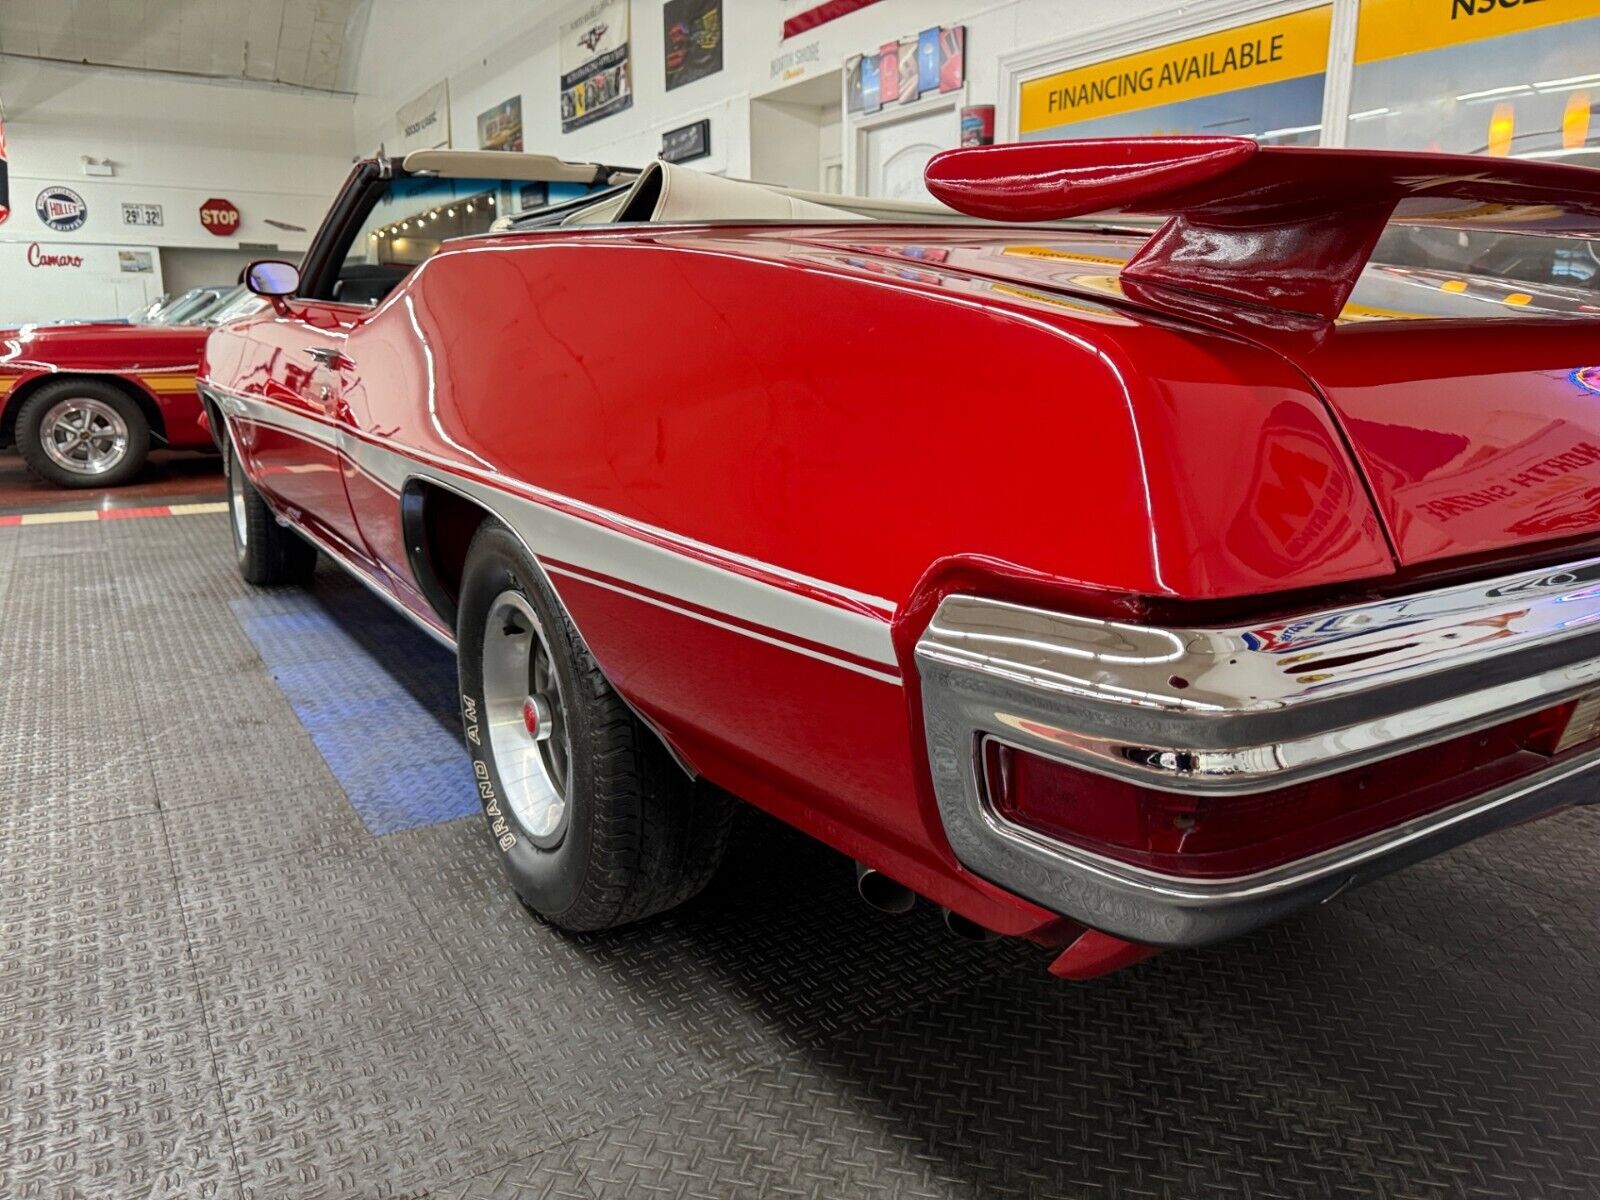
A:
(1204, 835)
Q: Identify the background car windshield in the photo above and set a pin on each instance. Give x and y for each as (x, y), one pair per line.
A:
(1537, 270)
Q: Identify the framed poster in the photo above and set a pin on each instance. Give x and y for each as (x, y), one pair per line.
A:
(501, 127)
(687, 142)
(852, 84)
(596, 71)
(693, 38)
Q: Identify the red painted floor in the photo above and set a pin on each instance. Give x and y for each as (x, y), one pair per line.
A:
(170, 477)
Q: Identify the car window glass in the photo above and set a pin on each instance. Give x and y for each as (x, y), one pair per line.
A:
(417, 215)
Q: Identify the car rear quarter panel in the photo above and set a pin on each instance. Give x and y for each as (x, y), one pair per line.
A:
(803, 408)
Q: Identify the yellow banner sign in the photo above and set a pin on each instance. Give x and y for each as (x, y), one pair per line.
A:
(1290, 47)
(1390, 28)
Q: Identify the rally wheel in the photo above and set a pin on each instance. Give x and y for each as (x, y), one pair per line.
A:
(82, 433)
(267, 553)
(596, 824)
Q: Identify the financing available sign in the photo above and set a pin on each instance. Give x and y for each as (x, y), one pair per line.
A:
(596, 69)
(1245, 78)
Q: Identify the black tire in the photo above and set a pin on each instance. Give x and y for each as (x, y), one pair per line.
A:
(267, 553)
(639, 837)
(45, 406)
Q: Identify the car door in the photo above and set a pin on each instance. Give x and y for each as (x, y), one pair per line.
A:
(294, 455)
(294, 361)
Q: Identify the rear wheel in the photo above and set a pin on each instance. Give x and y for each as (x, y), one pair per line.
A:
(267, 553)
(82, 433)
(596, 825)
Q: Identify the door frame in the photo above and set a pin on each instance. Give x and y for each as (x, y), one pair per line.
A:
(858, 127)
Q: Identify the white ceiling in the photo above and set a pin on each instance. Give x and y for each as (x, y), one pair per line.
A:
(302, 43)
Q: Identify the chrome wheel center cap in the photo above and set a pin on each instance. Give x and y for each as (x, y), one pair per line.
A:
(536, 717)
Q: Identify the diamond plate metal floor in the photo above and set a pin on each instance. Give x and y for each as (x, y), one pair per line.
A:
(215, 982)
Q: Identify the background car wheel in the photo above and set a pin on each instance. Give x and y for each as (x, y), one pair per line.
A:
(267, 553)
(596, 824)
(82, 433)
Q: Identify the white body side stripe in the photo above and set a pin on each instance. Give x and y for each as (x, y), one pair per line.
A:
(851, 623)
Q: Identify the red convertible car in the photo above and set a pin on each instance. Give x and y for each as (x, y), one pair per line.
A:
(1117, 584)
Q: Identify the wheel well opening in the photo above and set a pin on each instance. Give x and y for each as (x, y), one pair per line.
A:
(19, 395)
(438, 525)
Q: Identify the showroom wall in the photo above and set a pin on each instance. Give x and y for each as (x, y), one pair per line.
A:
(513, 51)
(274, 155)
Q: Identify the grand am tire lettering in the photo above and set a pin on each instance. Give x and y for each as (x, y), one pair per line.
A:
(633, 836)
(498, 828)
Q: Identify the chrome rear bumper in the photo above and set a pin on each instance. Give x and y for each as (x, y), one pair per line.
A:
(1242, 710)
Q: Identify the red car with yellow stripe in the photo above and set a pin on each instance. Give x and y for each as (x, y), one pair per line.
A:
(84, 404)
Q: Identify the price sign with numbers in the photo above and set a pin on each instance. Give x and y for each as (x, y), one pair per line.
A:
(141, 214)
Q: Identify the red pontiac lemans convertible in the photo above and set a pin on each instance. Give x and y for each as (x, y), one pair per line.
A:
(1115, 585)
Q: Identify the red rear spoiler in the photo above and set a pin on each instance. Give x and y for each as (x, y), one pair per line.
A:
(1282, 226)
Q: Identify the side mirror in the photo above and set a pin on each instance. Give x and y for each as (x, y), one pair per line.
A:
(266, 277)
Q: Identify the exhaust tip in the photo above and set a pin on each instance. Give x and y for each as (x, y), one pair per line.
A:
(885, 894)
(967, 930)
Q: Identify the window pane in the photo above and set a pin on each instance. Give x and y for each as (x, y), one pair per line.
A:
(1474, 77)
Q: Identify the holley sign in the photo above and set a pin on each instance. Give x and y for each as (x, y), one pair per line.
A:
(219, 217)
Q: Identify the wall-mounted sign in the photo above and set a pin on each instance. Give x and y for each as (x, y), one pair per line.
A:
(136, 262)
(40, 257)
(219, 217)
(424, 123)
(693, 40)
(906, 70)
(977, 125)
(596, 72)
(61, 208)
(687, 142)
(141, 214)
(501, 127)
(1260, 78)
(793, 64)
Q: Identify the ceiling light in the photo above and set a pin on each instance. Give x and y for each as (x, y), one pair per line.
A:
(491, 199)
(469, 208)
(450, 212)
(1561, 85)
(1499, 91)
(1368, 114)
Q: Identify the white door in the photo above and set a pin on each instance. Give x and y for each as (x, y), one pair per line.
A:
(894, 153)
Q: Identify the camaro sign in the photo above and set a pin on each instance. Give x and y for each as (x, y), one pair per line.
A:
(219, 217)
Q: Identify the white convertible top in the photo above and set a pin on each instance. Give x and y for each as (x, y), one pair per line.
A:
(669, 192)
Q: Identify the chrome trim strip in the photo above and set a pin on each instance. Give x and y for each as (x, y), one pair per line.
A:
(854, 626)
(1252, 708)
(1245, 710)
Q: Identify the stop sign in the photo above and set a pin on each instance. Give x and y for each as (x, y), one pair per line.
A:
(220, 217)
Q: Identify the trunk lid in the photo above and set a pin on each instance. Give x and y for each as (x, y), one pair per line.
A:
(1475, 437)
